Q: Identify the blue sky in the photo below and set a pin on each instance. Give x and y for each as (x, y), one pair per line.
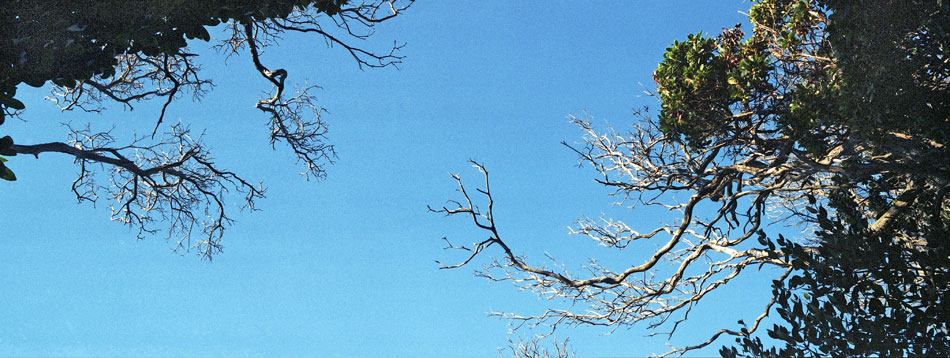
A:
(345, 267)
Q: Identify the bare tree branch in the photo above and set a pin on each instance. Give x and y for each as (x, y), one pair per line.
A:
(138, 78)
(172, 185)
(535, 348)
(737, 184)
(725, 160)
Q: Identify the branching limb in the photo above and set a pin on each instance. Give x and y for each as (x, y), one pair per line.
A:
(744, 332)
(609, 298)
(737, 184)
(137, 78)
(761, 135)
(294, 120)
(535, 348)
(172, 184)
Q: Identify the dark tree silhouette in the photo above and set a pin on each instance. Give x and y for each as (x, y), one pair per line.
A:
(99, 52)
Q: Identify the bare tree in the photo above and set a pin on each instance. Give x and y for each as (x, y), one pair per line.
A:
(727, 159)
(534, 347)
(168, 182)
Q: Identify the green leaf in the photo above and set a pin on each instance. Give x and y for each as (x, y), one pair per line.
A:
(203, 34)
(6, 142)
(13, 103)
(7, 174)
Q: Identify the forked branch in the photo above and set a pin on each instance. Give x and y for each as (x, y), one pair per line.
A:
(172, 185)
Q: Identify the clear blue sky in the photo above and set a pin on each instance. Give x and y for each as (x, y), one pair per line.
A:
(345, 267)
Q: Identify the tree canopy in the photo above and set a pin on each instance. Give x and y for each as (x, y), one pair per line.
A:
(94, 52)
(832, 114)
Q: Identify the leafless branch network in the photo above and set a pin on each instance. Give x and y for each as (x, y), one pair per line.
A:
(535, 348)
(137, 78)
(170, 184)
(723, 194)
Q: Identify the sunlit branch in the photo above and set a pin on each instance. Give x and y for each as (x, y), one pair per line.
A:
(172, 183)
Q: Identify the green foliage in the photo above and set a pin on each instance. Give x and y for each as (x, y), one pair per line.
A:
(5, 144)
(863, 292)
(892, 58)
(823, 75)
(871, 75)
(693, 89)
(701, 80)
(711, 88)
(69, 41)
